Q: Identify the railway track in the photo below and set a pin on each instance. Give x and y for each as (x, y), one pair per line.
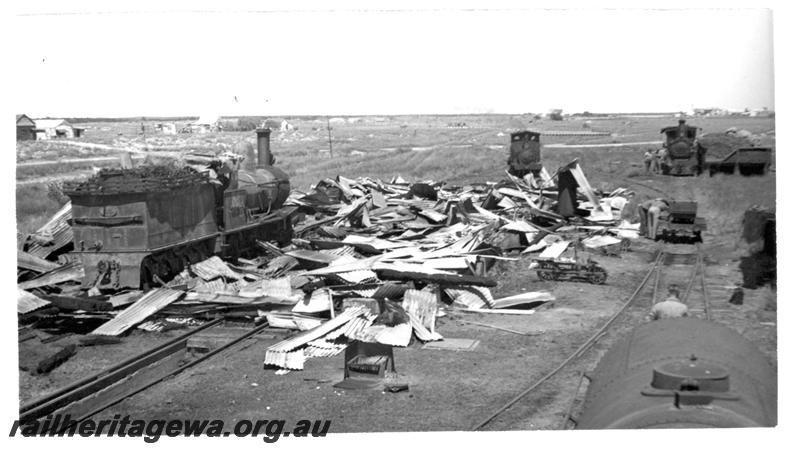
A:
(671, 265)
(91, 395)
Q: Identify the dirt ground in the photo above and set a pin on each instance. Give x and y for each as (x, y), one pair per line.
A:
(454, 390)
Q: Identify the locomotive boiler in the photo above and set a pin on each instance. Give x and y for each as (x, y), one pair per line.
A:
(681, 373)
(684, 156)
(142, 226)
(525, 154)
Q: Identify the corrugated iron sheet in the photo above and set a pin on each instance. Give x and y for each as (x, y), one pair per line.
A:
(145, 307)
(291, 360)
(279, 319)
(312, 256)
(28, 302)
(399, 335)
(354, 328)
(376, 243)
(278, 288)
(580, 178)
(217, 286)
(554, 250)
(31, 262)
(347, 250)
(57, 230)
(422, 333)
(213, 268)
(319, 300)
(67, 272)
(122, 299)
(422, 305)
(471, 297)
(304, 322)
(312, 351)
(520, 226)
(296, 341)
(524, 298)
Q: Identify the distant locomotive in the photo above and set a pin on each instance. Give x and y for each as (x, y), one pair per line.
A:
(525, 154)
(681, 373)
(140, 227)
(684, 156)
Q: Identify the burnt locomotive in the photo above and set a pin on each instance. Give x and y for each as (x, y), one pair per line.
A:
(525, 154)
(681, 373)
(140, 227)
(684, 155)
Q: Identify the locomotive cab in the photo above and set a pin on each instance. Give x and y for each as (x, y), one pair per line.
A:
(525, 154)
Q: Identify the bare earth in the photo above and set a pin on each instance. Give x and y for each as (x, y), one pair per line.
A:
(454, 390)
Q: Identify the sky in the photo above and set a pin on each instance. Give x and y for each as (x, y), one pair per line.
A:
(355, 61)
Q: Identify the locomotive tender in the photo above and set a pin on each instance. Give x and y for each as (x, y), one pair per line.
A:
(136, 228)
(681, 373)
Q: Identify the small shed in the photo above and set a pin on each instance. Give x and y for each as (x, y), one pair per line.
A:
(26, 128)
(48, 128)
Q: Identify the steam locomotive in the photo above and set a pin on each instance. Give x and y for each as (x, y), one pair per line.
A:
(685, 156)
(525, 154)
(681, 373)
(141, 227)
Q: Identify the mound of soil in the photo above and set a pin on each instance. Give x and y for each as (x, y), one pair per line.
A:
(719, 145)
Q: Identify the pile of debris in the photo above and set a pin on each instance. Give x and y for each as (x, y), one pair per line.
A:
(371, 261)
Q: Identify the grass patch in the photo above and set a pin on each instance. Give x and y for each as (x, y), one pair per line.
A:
(34, 207)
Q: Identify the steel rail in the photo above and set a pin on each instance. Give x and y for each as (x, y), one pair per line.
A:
(92, 384)
(176, 371)
(578, 352)
(702, 271)
(568, 415)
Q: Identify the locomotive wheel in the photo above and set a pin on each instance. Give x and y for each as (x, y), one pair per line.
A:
(146, 272)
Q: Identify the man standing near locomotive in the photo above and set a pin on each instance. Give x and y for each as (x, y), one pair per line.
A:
(660, 160)
(648, 161)
(650, 212)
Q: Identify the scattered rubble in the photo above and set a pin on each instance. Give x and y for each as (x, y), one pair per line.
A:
(371, 262)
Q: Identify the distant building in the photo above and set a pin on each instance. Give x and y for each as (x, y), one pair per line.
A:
(763, 113)
(711, 111)
(205, 124)
(47, 129)
(26, 128)
(166, 128)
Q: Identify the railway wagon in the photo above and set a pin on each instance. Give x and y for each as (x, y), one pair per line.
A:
(681, 373)
(747, 161)
(525, 154)
(141, 227)
(684, 156)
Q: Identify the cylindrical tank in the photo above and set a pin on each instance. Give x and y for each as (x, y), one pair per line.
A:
(262, 144)
(267, 188)
(681, 373)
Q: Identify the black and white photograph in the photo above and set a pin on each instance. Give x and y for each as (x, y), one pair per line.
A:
(285, 221)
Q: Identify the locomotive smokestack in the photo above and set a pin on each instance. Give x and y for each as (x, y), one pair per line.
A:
(262, 144)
